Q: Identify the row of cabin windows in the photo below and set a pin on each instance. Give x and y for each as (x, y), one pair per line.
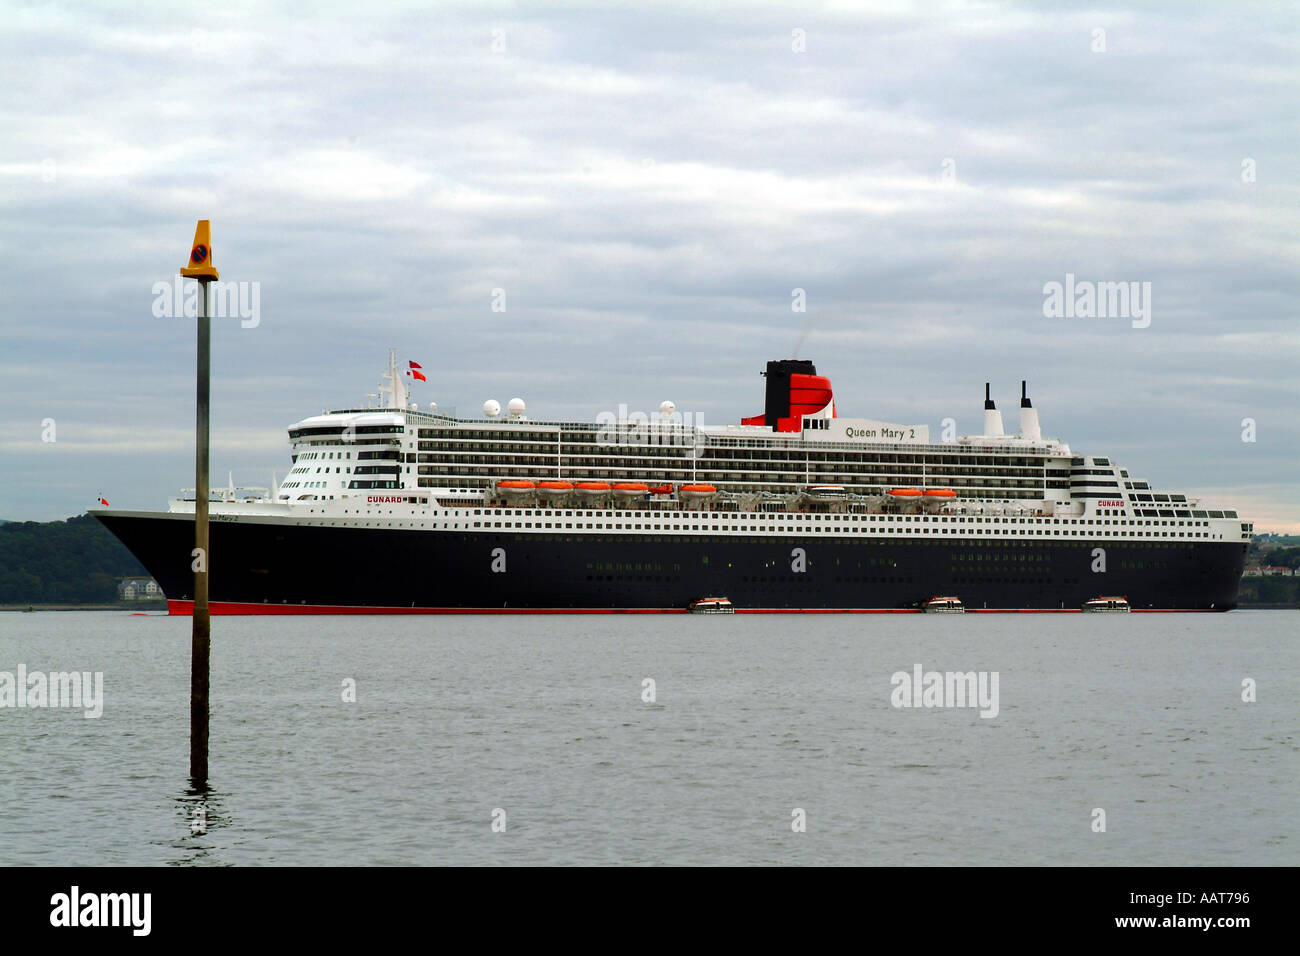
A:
(587, 445)
(639, 458)
(647, 525)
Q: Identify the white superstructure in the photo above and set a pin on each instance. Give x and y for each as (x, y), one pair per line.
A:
(830, 475)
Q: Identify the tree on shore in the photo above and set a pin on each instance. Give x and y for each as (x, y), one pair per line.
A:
(76, 561)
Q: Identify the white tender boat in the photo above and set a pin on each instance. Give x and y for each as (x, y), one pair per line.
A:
(825, 494)
(943, 605)
(1107, 605)
(712, 605)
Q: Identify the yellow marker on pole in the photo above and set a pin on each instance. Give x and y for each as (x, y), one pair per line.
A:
(200, 265)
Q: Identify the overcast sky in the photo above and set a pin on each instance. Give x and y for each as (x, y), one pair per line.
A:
(648, 184)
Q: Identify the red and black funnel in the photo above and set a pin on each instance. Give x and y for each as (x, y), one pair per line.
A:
(794, 391)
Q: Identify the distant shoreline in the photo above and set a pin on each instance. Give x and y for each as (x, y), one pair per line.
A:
(141, 606)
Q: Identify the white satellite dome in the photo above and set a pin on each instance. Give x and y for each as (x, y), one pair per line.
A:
(666, 409)
(491, 408)
(433, 407)
(415, 406)
(517, 407)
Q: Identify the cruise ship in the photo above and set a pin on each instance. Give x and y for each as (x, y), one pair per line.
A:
(397, 509)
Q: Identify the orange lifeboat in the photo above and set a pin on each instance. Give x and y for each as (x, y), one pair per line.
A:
(697, 492)
(936, 498)
(591, 489)
(516, 487)
(661, 490)
(905, 492)
(554, 489)
(630, 489)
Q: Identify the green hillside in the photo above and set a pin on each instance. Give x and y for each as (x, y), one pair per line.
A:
(62, 562)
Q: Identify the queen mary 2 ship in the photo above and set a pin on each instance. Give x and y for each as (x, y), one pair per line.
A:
(398, 509)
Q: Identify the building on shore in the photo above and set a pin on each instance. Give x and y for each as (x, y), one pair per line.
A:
(138, 589)
(1267, 571)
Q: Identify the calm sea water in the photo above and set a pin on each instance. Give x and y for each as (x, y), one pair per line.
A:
(755, 715)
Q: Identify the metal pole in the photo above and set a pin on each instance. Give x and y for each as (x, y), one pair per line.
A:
(201, 642)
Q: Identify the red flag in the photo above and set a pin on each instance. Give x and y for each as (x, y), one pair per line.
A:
(419, 375)
(103, 501)
(415, 364)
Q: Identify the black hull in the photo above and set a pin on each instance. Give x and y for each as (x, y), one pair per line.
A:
(285, 568)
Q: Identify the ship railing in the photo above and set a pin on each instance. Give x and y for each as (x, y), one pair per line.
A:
(240, 494)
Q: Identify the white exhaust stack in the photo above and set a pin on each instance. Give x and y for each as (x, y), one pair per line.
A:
(1028, 417)
(992, 417)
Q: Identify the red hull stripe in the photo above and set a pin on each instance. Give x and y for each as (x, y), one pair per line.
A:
(186, 608)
